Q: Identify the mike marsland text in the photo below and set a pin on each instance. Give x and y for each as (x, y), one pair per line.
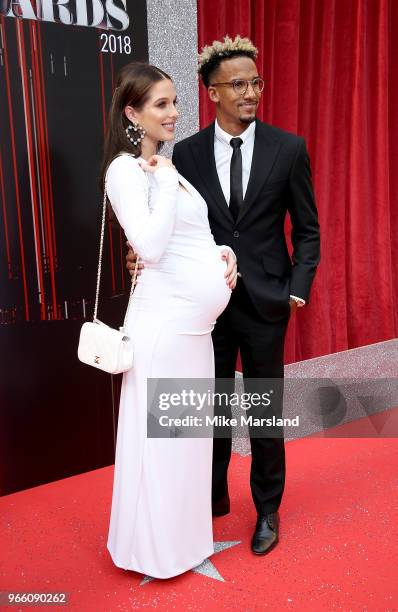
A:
(222, 421)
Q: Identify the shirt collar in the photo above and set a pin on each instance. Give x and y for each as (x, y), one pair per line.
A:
(225, 138)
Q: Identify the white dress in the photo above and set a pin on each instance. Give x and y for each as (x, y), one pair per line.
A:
(161, 521)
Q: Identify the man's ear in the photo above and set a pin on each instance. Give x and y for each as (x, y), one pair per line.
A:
(213, 94)
(130, 113)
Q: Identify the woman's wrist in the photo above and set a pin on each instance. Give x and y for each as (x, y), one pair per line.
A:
(166, 174)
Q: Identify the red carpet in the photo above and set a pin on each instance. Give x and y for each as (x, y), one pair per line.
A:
(338, 546)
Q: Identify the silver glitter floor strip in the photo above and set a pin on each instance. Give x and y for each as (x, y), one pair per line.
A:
(357, 383)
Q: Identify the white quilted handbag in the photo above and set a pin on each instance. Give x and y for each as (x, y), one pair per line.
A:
(102, 346)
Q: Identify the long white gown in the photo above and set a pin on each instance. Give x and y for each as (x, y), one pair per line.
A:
(161, 521)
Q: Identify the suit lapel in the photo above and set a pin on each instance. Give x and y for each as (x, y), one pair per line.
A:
(264, 155)
(203, 152)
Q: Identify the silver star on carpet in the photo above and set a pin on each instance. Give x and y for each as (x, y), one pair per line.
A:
(206, 568)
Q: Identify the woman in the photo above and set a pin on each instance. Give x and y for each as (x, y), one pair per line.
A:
(161, 507)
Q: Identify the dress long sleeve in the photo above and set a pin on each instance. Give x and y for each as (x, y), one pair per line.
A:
(147, 228)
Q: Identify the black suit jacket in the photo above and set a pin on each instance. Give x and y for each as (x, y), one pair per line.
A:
(280, 182)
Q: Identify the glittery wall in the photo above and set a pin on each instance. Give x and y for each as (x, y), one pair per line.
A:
(173, 44)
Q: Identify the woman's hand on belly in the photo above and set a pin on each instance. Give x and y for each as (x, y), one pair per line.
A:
(231, 273)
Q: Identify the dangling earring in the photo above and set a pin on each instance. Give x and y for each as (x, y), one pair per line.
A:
(138, 135)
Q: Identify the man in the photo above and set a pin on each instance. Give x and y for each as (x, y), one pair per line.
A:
(251, 175)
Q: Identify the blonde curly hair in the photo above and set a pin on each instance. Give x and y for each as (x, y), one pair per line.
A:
(212, 55)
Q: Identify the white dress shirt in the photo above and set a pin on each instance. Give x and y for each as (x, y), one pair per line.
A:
(223, 154)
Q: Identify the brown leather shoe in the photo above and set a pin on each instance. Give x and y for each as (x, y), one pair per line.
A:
(266, 533)
(222, 506)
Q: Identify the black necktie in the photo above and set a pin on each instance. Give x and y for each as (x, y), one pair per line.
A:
(236, 193)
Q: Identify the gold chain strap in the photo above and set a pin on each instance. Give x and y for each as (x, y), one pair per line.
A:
(134, 277)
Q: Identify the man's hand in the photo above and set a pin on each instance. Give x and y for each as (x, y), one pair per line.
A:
(293, 306)
(131, 258)
(231, 272)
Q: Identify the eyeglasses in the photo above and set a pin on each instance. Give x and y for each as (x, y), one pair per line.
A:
(240, 86)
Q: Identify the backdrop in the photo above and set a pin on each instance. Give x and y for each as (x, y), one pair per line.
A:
(330, 77)
(57, 72)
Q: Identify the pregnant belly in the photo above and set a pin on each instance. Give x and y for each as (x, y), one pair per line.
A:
(187, 287)
(203, 287)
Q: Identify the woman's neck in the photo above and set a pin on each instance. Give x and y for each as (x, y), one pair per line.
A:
(148, 148)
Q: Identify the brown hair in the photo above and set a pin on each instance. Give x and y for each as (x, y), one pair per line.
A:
(133, 85)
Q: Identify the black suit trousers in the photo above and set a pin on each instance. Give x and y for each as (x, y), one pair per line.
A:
(261, 345)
